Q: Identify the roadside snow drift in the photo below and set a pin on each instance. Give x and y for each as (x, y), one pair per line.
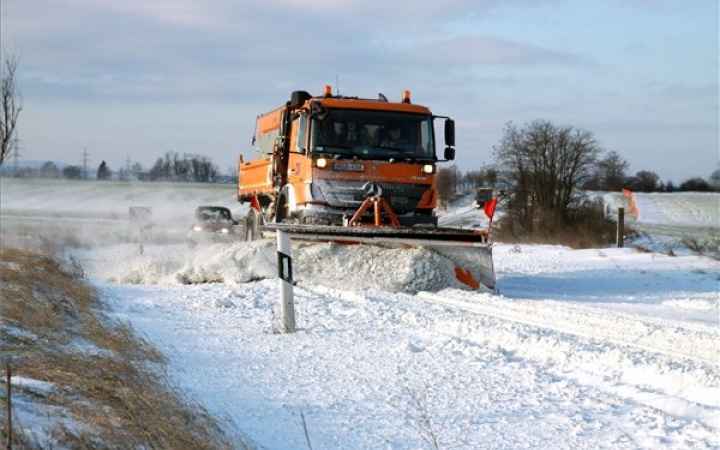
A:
(362, 266)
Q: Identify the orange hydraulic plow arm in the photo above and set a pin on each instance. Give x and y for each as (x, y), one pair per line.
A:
(377, 203)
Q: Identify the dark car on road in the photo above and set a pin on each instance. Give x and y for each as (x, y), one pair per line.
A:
(213, 224)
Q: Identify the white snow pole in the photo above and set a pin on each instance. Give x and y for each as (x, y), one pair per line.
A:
(287, 304)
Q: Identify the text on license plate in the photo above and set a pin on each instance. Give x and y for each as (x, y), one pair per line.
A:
(349, 167)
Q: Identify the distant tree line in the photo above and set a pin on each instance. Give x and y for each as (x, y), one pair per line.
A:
(170, 167)
(452, 182)
(173, 167)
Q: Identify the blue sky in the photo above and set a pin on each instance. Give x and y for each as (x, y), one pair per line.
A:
(132, 80)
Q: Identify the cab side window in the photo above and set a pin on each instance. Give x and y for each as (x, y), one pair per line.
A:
(300, 125)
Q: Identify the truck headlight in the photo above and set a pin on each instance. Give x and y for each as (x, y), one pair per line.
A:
(321, 163)
(428, 168)
(197, 228)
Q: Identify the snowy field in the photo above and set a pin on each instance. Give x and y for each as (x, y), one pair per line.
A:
(580, 349)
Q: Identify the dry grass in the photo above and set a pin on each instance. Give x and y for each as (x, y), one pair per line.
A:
(589, 226)
(108, 389)
(703, 247)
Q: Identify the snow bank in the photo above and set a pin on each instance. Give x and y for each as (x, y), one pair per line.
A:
(360, 266)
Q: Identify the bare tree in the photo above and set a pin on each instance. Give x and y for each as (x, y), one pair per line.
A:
(73, 172)
(189, 167)
(10, 104)
(645, 181)
(446, 184)
(544, 165)
(49, 170)
(473, 178)
(612, 172)
(696, 184)
(714, 180)
(104, 172)
(491, 176)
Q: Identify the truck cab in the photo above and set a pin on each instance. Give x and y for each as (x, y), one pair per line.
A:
(321, 157)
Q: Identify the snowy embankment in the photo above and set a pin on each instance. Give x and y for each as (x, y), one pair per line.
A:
(666, 220)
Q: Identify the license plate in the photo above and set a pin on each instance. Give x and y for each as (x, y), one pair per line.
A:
(348, 167)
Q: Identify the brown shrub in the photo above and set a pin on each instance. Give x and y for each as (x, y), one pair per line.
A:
(588, 225)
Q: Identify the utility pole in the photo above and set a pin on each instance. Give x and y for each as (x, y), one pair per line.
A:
(16, 153)
(85, 160)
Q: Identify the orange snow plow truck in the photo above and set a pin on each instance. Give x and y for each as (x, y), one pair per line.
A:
(353, 170)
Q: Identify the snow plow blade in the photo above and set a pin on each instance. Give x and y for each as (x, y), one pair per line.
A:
(468, 250)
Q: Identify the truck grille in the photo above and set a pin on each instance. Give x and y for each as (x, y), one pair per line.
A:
(401, 197)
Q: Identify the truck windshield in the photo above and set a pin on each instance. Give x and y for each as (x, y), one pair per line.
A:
(373, 135)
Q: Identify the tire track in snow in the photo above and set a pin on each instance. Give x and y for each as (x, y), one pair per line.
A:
(697, 214)
(674, 339)
(566, 342)
(600, 358)
(557, 344)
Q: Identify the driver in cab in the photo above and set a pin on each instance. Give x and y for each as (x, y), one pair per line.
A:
(395, 138)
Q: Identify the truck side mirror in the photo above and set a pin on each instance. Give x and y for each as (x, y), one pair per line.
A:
(449, 153)
(450, 133)
(298, 98)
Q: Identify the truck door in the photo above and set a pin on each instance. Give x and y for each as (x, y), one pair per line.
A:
(298, 160)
